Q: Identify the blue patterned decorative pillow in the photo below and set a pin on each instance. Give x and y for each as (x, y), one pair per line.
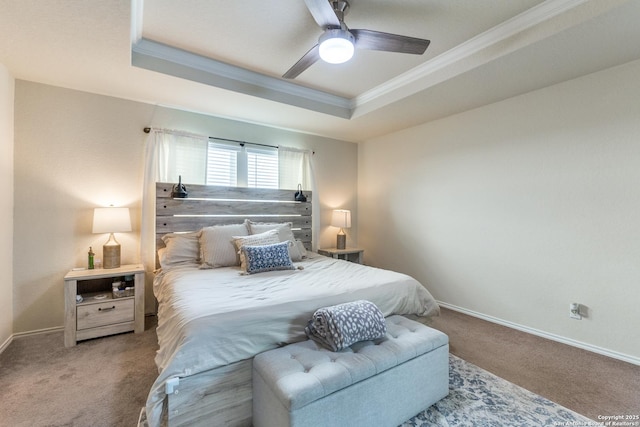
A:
(267, 257)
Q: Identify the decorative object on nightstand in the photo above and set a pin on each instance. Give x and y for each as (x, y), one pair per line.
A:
(90, 257)
(341, 218)
(111, 220)
(95, 306)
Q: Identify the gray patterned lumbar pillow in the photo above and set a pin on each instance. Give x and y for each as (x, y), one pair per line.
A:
(267, 258)
(339, 326)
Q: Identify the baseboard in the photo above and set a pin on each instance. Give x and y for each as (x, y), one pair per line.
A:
(9, 340)
(38, 332)
(558, 338)
(6, 343)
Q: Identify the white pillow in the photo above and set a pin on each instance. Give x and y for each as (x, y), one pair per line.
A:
(217, 247)
(180, 249)
(298, 249)
(161, 257)
(284, 229)
(267, 238)
(285, 233)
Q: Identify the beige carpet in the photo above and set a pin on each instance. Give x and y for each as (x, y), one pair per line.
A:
(104, 382)
(100, 382)
(582, 381)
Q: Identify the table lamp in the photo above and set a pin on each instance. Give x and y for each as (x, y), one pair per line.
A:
(111, 220)
(341, 218)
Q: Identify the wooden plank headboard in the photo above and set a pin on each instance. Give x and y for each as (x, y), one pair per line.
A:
(209, 205)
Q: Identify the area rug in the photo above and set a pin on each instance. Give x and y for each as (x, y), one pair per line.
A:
(478, 398)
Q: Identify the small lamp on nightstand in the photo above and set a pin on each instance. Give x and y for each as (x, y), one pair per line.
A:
(111, 220)
(341, 218)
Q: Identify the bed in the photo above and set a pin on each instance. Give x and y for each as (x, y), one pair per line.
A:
(212, 321)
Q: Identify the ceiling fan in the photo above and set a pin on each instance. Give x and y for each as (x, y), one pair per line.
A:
(336, 45)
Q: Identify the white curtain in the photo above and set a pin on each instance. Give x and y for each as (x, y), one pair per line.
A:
(295, 167)
(168, 154)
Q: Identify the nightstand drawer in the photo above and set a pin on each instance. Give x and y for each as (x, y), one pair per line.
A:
(105, 313)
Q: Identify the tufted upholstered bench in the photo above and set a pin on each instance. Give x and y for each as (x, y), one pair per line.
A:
(373, 383)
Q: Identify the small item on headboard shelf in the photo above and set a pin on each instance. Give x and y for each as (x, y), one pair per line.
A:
(299, 195)
(179, 191)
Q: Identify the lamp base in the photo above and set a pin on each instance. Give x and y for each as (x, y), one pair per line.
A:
(341, 242)
(111, 253)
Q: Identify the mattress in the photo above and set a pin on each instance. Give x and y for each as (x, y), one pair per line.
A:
(212, 318)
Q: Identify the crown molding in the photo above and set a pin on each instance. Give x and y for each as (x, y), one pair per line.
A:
(137, 11)
(173, 61)
(528, 19)
(525, 28)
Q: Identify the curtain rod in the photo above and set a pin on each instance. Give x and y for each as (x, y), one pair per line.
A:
(148, 129)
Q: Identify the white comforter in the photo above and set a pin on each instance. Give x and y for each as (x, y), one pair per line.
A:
(211, 318)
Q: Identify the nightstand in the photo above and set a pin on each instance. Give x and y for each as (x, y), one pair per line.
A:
(349, 254)
(101, 312)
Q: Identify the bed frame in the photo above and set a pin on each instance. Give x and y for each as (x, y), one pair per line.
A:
(222, 396)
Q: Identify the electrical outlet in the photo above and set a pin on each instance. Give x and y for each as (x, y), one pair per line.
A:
(574, 311)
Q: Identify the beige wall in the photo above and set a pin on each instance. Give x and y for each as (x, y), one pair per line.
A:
(516, 209)
(6, 205)
(75, 151)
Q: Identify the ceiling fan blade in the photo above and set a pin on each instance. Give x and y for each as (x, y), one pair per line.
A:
(376, 40)
(303, 63)
(323, 13)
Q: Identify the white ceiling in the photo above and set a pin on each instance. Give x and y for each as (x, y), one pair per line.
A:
(480, 52)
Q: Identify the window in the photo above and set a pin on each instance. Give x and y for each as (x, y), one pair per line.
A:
(222, 165)
(262, 168)
(231, 165)
(199, 159)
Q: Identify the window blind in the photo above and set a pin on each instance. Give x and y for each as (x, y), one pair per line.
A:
(262, 168)
(222, 164)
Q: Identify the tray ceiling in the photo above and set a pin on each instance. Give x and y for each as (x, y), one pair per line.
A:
(227, 58)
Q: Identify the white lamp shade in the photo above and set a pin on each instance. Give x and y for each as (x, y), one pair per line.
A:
(111, 220)
(341, 218)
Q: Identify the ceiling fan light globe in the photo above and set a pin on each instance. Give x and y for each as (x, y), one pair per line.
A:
(336, 46)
